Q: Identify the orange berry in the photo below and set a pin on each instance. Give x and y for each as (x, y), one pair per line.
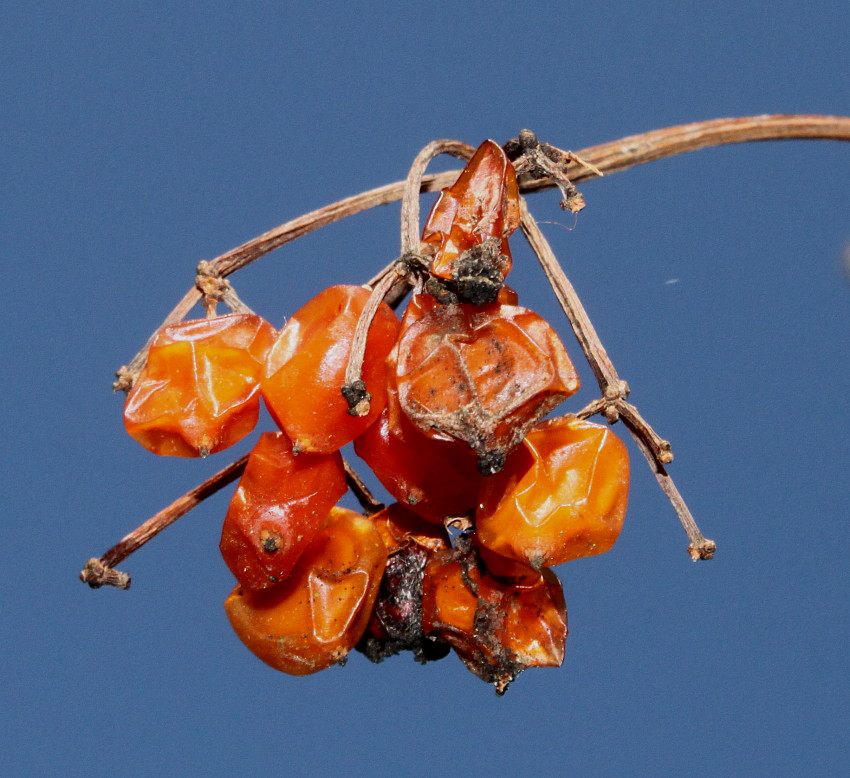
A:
(561, 496)
(498, 630)
(481, 374)
(199, 391)
(478, 212)
(316, 616)
(305, 369)
(279, 506)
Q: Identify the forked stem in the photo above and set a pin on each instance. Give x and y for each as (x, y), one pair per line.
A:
(605, 158)
(392, 281)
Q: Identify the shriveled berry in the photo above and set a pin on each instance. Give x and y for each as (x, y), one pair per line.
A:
(561, 496)
(396, 622)
(497, 629)
(316, 616)
(280, 504)
(199, 391)
(470, 223)
(481, 374)
(305, 369)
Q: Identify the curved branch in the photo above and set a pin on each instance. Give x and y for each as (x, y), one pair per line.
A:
(607, 157)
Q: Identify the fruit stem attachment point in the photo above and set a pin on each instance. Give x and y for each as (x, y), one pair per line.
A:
(354, 388)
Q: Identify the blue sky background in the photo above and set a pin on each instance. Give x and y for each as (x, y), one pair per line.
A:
(138, 138)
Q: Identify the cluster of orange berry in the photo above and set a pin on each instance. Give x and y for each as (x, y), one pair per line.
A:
(446, 408)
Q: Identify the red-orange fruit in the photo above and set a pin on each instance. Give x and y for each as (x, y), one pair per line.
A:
(279, 506)
(481, 374)
(482, 204)
(305, 369)
(434, 478)
(199, 391)
(498, 630)
(561, 496)
(316, 616)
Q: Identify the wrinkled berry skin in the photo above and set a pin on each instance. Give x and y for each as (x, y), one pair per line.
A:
(305, 369)
(561, 496)
(199, 391)
(470, 223)
(481, 374)
(497, 628)
(317, 615)
(280, 504)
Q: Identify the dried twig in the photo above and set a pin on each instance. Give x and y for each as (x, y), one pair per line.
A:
(100, 572)
(602, 159)
(607, 158)
(354, 389)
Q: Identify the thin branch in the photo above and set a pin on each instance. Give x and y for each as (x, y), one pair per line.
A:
(354, 388)
(364, 495)
(606, 157)
(99, 572)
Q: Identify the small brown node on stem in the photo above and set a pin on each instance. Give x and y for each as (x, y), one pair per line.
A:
(211, 285)
(124, 379)
(357, 397)
(97, 574)
(539, 160)
(702, 550)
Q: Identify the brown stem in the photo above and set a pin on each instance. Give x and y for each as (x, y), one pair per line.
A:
(354, 389)
(413, 187)
(100, 572)
(600, 363)
(613, 403)
(364, 496)
(699, 547)
(607, 158)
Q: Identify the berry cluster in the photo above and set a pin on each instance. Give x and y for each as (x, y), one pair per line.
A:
(446, 407)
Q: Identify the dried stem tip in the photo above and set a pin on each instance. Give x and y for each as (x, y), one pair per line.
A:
(97, 574)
